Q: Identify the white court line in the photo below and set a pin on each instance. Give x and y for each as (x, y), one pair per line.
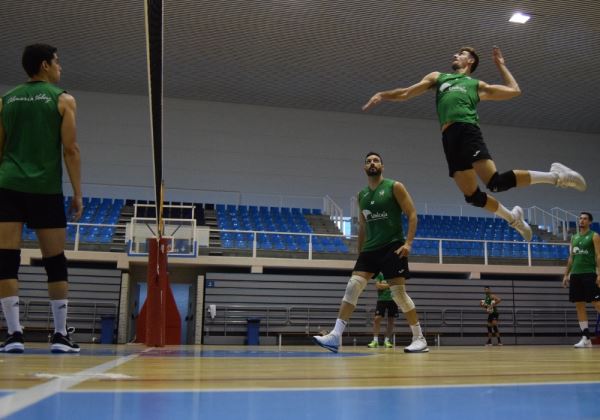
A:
(10, 404)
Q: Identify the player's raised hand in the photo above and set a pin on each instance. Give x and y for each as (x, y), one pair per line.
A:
(375, 99)
(497, 56)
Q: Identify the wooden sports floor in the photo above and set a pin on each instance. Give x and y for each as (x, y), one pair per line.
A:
(301, 382)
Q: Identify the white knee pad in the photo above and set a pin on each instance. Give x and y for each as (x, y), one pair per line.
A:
(355, 286)
(403, 301)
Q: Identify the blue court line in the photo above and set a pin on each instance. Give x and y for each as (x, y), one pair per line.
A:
(514, 402)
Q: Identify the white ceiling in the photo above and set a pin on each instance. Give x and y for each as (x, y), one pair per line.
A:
(323, 54)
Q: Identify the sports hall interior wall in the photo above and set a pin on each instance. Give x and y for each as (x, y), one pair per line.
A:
(214, 151)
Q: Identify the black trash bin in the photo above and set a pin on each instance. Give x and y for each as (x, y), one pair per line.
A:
(253, 331)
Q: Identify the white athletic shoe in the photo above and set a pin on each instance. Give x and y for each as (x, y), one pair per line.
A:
(583, 343)
(418, 345)
(568, 178)
(330, 341)
(519, 223)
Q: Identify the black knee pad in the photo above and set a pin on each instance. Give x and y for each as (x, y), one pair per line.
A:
(10, 260)
(489, 329)
(56, 267)
(478, 198)
(502, 182)
(495, 328)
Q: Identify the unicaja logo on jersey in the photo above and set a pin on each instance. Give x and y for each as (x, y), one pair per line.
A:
(446, 86)
(370, 216)
(579, 251)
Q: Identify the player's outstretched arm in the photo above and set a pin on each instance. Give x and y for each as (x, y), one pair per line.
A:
(508, 90)
(403, 94)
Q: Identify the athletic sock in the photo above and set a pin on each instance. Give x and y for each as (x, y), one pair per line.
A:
(583, 325)
(586, 333)
(504, 213)
(416, 330)
(59, 313)
(10, 307)
(340, 325)
(376, 338)
(543, 177)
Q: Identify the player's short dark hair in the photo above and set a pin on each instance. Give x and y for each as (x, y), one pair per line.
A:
(376, 154)
(471, 51)
(34, 55)
(588, 214)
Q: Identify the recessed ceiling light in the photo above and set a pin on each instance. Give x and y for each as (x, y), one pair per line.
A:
(519, 18)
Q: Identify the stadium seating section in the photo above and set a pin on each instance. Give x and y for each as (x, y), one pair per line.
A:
(288, 229)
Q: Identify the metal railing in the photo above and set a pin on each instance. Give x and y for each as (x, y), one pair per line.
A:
(547, 221)
(442, 254)
(77, 241)
(334, 211)
(458, 321)
(84, 315)
(567, 216)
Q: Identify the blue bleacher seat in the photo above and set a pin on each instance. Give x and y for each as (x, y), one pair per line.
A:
(318, 247)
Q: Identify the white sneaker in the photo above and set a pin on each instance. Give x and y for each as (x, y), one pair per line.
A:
(418, 345)
(583, 343)
(519, 223)
(330, 341)
(568, 178)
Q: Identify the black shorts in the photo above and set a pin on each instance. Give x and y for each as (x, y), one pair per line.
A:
(38, 211)
(583, 288)
(493, 316)
(463, 145)
(388, 306)
(385, 261)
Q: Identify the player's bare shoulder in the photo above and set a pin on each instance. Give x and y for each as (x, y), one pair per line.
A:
(66, 102)
(432, 77)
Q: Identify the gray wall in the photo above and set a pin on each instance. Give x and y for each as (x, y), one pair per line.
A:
(257, 155)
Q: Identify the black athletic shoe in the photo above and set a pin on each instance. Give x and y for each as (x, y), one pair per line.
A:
(63, 344)
(14, 343)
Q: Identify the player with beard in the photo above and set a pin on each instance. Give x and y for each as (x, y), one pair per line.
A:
(383, 248)
(457, 96)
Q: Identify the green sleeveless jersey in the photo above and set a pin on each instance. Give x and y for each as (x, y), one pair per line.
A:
(584, 253)
(488, 301)
(382, 214)
(456, 98)
(384, 295)
(32, 159)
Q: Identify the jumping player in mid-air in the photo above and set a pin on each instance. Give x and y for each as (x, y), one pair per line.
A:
(457, 95)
